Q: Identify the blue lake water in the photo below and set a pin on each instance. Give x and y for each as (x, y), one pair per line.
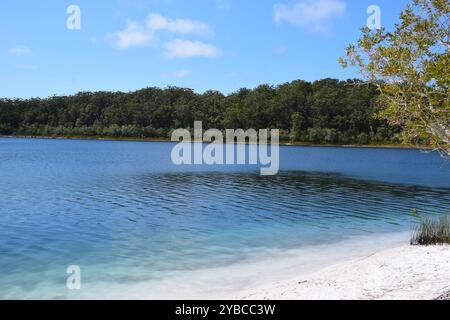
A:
(125, 214)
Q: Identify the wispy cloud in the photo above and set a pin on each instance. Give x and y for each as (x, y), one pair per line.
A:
(315, 15)
(156, 22)
(141, 34)
(20, 51)
(133, 36)
(181, 74)
(179, 48)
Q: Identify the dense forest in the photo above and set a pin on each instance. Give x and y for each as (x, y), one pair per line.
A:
(328, 111)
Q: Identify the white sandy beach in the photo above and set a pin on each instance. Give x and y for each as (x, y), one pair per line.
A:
(368, 267)
(406, 272)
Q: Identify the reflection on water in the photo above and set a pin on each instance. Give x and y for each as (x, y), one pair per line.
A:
(122, 218)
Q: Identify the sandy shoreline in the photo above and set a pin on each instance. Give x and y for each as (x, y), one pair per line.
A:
(368, 267)
(406, 272)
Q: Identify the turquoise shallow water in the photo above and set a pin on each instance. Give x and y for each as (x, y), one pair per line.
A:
(125, 214)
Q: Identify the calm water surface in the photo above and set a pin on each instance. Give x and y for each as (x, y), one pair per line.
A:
(125, 214)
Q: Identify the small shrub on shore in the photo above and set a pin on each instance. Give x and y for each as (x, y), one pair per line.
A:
(432, 230)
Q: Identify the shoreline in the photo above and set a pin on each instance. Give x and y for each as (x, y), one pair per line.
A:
(167, 140)
(373, 267)
(400, 273)
(250, 274)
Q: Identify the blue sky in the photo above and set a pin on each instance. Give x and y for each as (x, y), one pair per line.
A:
(201, 44)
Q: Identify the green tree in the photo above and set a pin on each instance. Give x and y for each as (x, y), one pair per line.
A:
(326, 111)
(297, 125)
(411, 68)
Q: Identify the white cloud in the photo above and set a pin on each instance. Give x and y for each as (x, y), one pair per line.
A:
(134, 35)
(316, 15)
(20, 51)
(179, 48)
(137, 34)
(182, 73)
(156, 22)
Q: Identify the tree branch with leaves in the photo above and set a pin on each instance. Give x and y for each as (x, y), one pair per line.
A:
(411, 68)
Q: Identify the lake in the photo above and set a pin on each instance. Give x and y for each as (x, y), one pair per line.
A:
(134, 222)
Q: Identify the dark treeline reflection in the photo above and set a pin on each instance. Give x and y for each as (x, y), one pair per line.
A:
(295, 196)
(326, 111)
(178, 205)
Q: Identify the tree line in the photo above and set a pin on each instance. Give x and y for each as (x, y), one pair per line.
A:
(327, 111)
